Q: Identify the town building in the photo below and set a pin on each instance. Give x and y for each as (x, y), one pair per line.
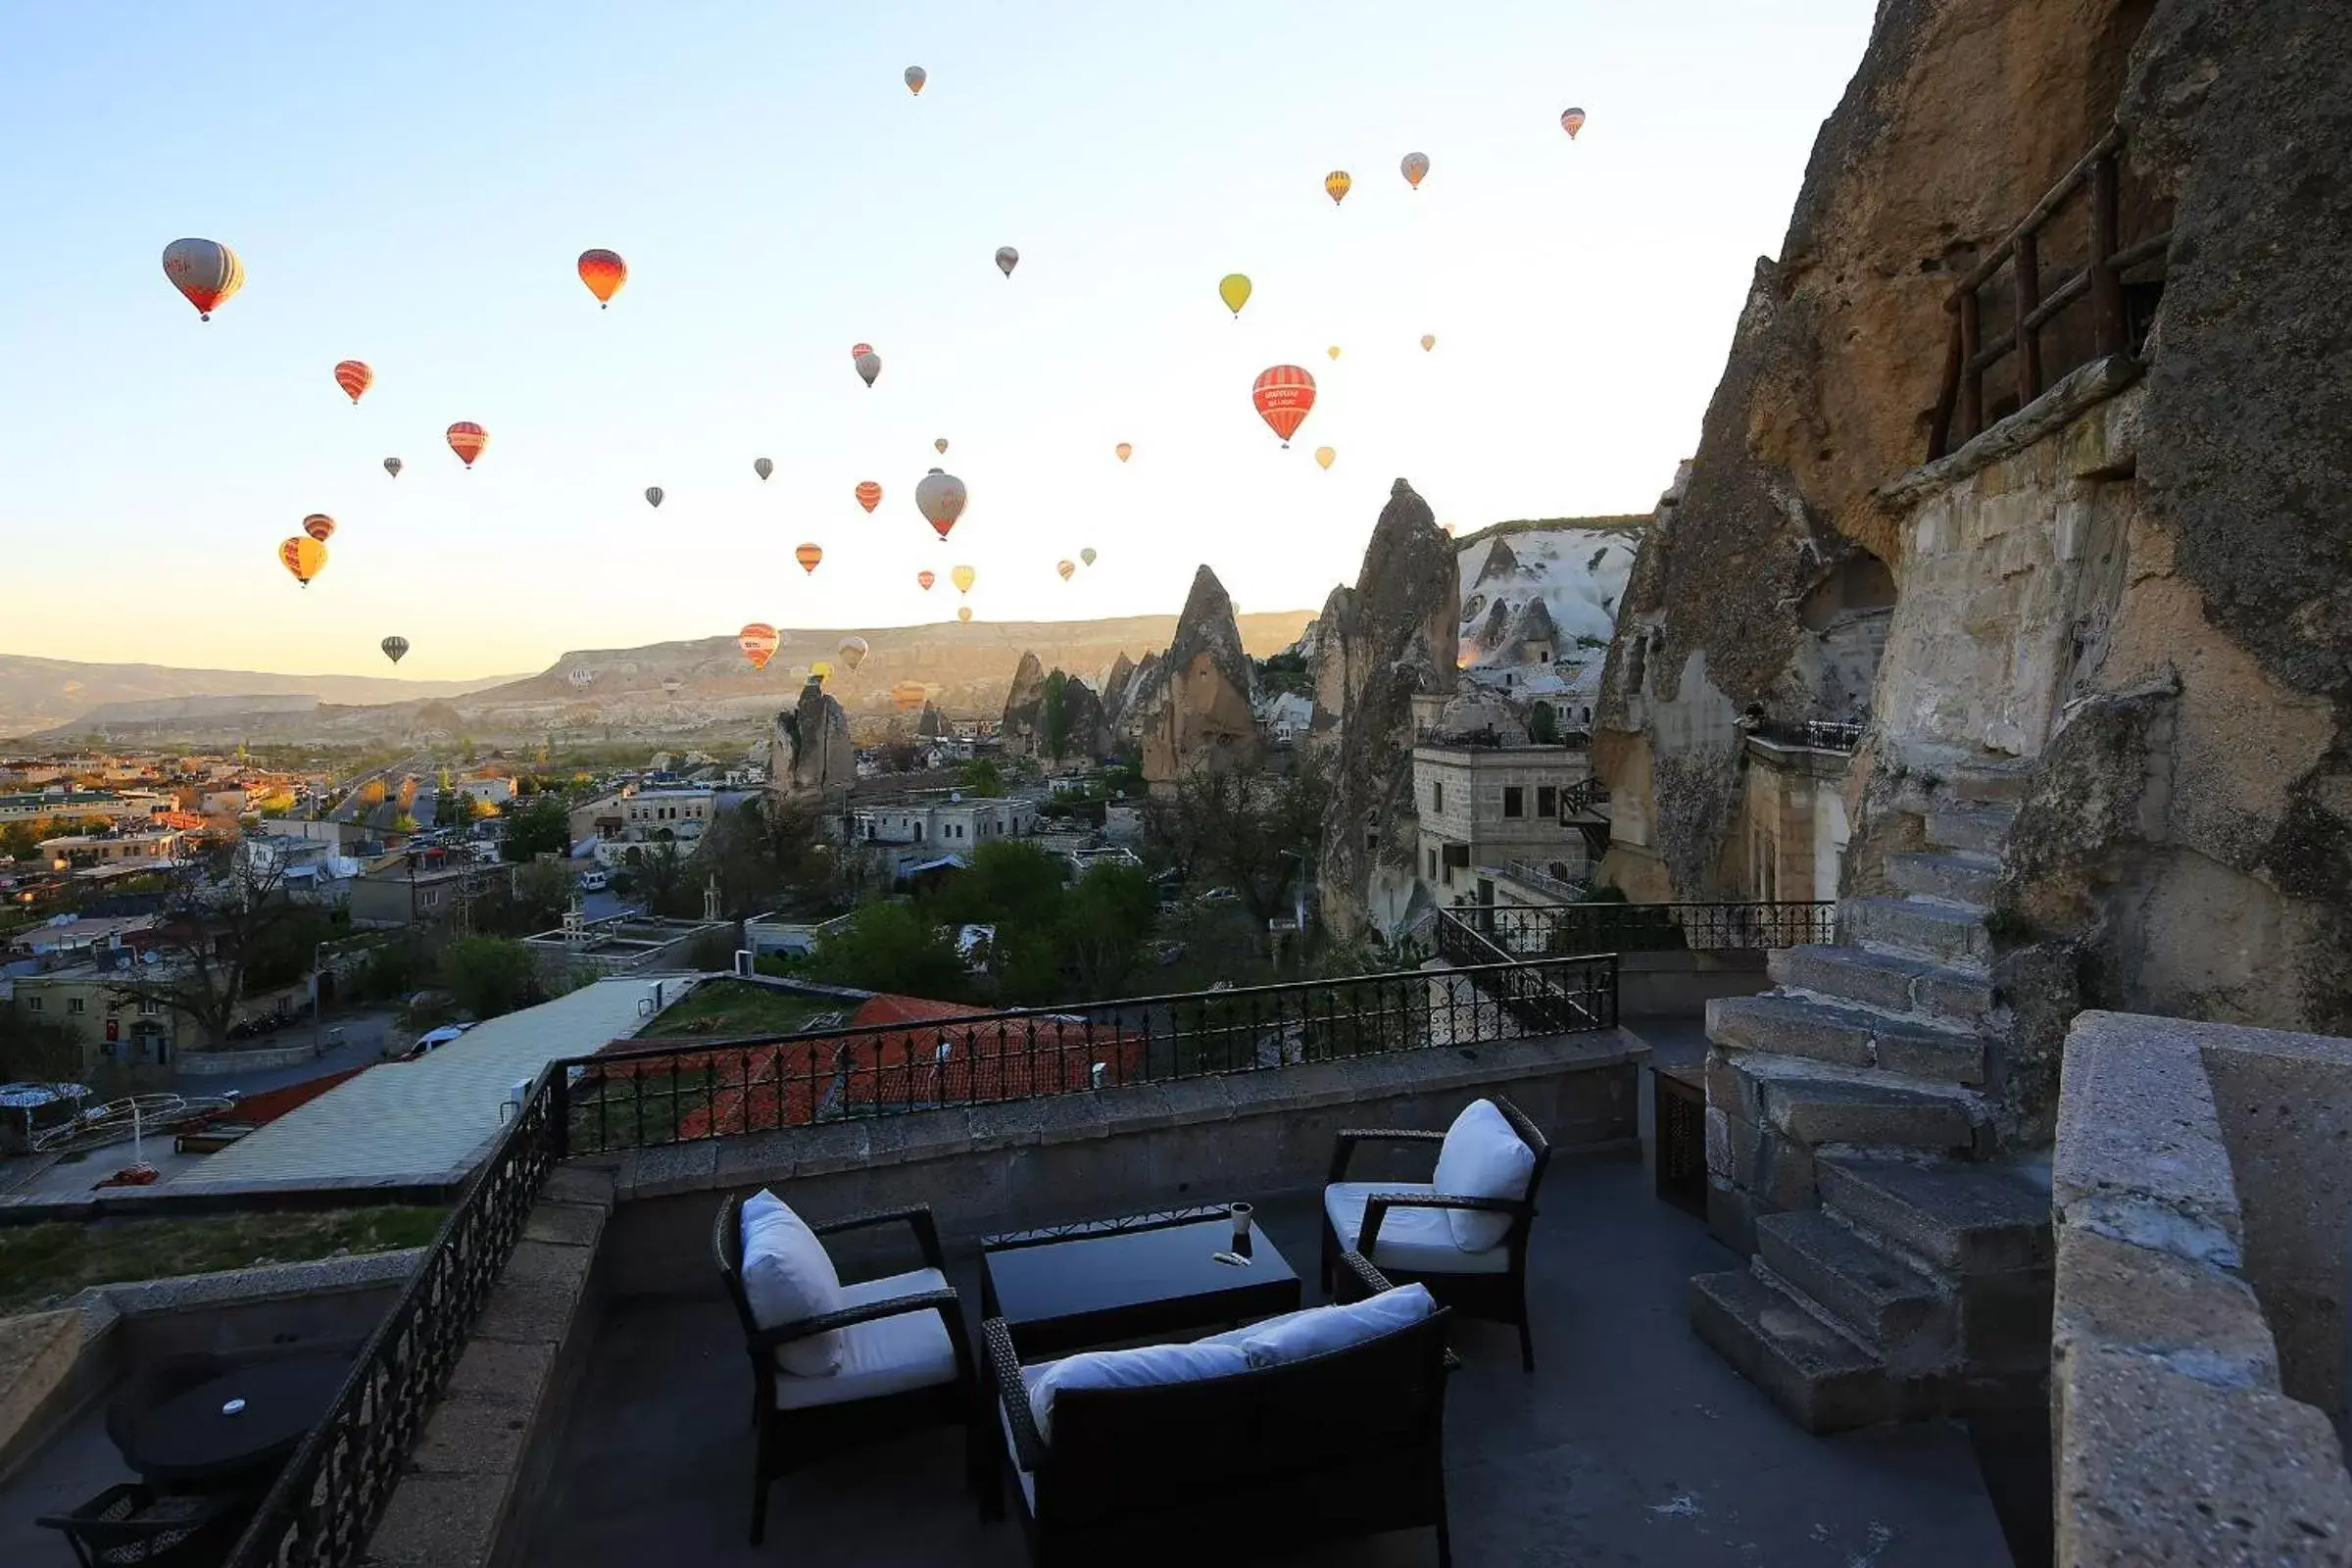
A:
(633, 816)
(152, 848)
(90, 996)
(489, 791)
(428, 887)
(1485, 805)
(70, 805)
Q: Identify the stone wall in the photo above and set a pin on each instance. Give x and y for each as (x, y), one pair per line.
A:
(2200, 1202)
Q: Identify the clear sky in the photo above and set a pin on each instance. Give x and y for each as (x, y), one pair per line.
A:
(411, 186)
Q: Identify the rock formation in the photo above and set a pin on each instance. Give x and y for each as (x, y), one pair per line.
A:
(929, 726)
(811, 755)
(1017, 731)
(1190, 708)
(1086, 731)
(1379, 644)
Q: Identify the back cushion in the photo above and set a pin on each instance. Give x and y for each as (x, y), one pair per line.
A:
(1482, 1158)
(1321, 1330)
(788, 1277)
(1144, 1366)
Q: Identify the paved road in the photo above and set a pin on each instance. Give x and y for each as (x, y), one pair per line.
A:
(363, 1037)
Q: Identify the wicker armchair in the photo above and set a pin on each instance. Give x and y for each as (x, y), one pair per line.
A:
(1402, 1226)
(132, 1524)
(909, 1365)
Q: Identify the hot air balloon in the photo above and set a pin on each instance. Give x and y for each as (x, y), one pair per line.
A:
(653, 495)
(940, 446)
(1007, 258)
(820, 671)
(1332, 351)
(1572, 121)
(604, 271)
(468, 439)
(940, 498)
(392, 467)
(1067, 568)
(206, 270)
(1087, 555)
(924, 580)
(758, 642)
(908, 695)
(869, 366)
(1234, 290)
(394, 648)
(1283, 395)
(963, 577)
(353, 378)
(1429, 340)
(1324, 455)
(319, 526)
(808, 556)
(304, 557)
(869, 494)
(762, 468)
(917, 76)
(852, 650)
(1416, 167)
(1334, 186)
(1125, 450)
(964, 613)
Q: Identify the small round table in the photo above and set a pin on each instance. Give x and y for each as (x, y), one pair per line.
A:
(221, 1432)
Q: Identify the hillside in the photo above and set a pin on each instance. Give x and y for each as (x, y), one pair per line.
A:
(1578, 569)
(37, 694)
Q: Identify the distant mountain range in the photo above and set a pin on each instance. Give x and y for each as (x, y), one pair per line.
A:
(41, 694)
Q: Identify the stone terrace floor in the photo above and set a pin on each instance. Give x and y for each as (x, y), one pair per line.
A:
(1631, 1443)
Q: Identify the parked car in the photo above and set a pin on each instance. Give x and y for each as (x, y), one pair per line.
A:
(593, 882)
(433, 1040)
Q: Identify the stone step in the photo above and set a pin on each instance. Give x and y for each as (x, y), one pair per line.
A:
(1800, 1026)
(1817, 1103)
(1989, 783)
(1960, 876)
(1886, 1302)
(1888, 980)
(1979, 828)
(1967, 1218)
(1945, 932)
(1825, 1381)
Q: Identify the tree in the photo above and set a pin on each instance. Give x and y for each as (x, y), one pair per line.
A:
(1245, 828)
(886, 947)
(661, 878)
(542, 890)
(488, 975)
(1012, 885)
(981, 778)
(762, 855)
(542, 828)
(219, 913)
(1103, 923)
(459, 809)
(1053, 718)
(1543, 724)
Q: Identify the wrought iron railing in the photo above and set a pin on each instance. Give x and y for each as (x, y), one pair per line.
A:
(1535, 930)
(1585, 795)
(636, 1097)
(1815, 734)
(329, 1496)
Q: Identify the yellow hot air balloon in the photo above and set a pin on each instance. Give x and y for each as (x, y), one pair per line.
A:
(1336, 184)
(964, 613)
(1067, 568)
(304, 557)
(1429, 340)
(1416, 168)
(1325, 454)
(940, 446)
(1125, 451)
(820, 671)
(963, 577)
(853, 652)
(1234, 290)
(1332, 351)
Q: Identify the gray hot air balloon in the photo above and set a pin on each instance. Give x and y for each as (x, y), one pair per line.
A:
(940, 497)
(205, 270)
(653, 495)
(1007, 258)
(917, 76)
(869, 366)
(762, 468)
(392, 467)
(394, 648)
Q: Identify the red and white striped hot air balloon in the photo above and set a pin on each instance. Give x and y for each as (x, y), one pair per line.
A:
(353, 378)
(468, 439)
(758, 642)
(1283, 394)
(924, 580)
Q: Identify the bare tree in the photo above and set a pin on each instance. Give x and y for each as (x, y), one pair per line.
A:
(1245, 827)
(219, 913)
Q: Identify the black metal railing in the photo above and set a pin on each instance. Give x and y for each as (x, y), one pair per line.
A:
(1585, 795)
(327, 1500)
(1529, 931)
(637, 1097)
(1814, 734)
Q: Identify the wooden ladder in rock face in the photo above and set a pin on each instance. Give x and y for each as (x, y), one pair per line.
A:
(1895, 1272)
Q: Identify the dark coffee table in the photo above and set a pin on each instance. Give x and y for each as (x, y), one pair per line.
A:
(1071, 1287)
(235, 1427)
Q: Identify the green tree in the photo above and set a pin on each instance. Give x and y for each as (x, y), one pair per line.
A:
(1053, 718)
(1543, 724)
(1104, 920)
(542, 890)
(887, 947)
(542, 828)
(487, 975)
(981, 778)
(662, 877)
(1246, 829)
(1012, 885)
(457, 809)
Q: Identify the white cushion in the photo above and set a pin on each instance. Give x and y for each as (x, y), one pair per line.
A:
(1482, 1158)
(1144, 1366)
(1321, 1330)
(1415, 1240)
(787, 1278)
(888, 1356)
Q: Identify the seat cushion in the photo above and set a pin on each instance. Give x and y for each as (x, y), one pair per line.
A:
(1143, 1366)
(1483, 1156)
(788, 1277)
(1321, 1330)
(888, 1356)
(1415, 1240)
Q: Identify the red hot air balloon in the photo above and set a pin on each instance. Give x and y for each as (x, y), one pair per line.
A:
(758, 642)
(604, 271)
(869, 494)
(924, 580)
(353, 378)
(468, 439)
(319, 526)
(1283, 395)
(205, 270)
(859, 351)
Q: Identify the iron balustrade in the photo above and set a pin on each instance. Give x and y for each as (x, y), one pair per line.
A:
(636, 1097)
(1815, 734)
(1554, 929)
(329, 1497)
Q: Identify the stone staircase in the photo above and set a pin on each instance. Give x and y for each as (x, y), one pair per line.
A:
(1897, 1272)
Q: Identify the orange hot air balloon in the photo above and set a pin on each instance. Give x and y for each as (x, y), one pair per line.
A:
(1415, 169)
(758, 642)
(869, 494)
(319, 526)
(1283, 395)
(205, 270)
(304, 557)
(1572, 121)
(1124, 450)
(908, 695)
(808, 556)
(924, 580)
(1067, 568)
(1325, 456)
(964, 613)
(353, 378)
(468, 439)
(963, 577)
(604, 271)
(1336, 185)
